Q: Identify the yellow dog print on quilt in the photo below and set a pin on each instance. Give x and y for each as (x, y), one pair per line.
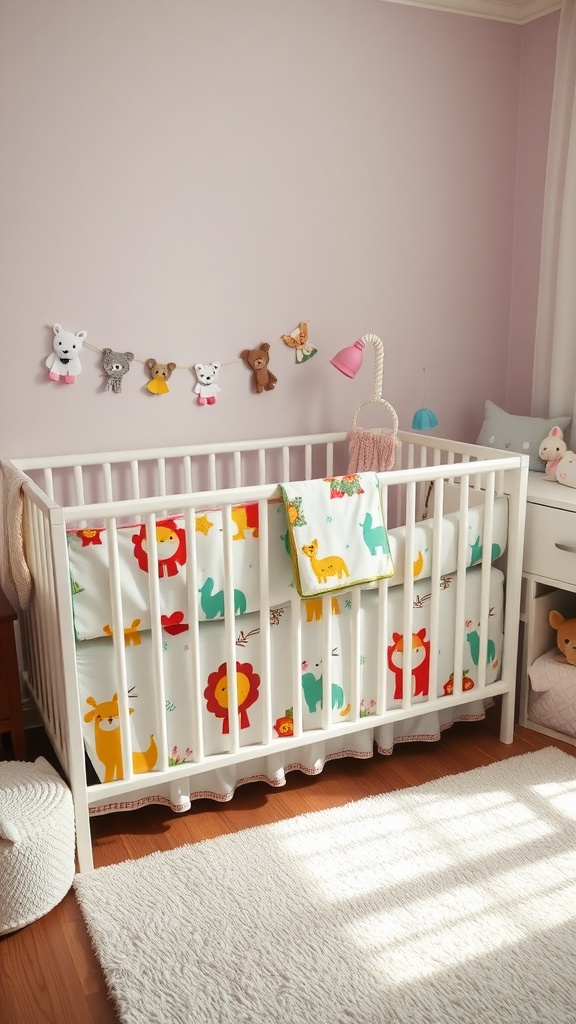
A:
(336, 533)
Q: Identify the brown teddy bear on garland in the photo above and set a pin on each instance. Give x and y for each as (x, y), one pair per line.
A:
(257, 359)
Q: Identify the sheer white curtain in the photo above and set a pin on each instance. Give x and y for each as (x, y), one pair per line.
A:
(554, 388)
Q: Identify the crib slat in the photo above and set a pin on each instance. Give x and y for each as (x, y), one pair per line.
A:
(266, 680)
(212, 471)
(187, 473)
(230, 631)
(237, 469)
(436, 555)
(156, 640)
(119, 647)
(296, 661)
(326, 667)
(261, 465)
(108, 488)
(408, 596)
(135, 478)
(79, 485)
(487, 535)
(461, 560)
(355, 647)
(382, 668)
(48, 482)
(193, 659)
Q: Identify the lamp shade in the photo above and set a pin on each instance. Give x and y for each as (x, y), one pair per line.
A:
(424, 419)
(349, 360)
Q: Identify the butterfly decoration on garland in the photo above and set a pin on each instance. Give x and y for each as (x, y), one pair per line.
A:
(298, 340)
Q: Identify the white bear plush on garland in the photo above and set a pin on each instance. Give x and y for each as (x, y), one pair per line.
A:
(64, 363)
(206, 388)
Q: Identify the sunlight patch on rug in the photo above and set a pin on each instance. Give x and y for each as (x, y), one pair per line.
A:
(448, 903)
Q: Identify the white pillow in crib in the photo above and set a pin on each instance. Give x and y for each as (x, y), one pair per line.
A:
(522, 434)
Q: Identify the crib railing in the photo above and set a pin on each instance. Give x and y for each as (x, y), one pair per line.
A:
(90, 478)
(48, 625)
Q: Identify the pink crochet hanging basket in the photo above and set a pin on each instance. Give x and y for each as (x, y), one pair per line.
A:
(371, 452)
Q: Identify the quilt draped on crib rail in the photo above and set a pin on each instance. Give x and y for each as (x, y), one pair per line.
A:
(336, 532)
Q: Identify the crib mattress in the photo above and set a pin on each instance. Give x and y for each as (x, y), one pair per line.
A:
(98, 683)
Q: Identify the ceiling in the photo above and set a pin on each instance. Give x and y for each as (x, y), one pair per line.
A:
(517, 11)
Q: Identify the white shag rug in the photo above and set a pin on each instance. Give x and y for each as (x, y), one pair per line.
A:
(448, 903)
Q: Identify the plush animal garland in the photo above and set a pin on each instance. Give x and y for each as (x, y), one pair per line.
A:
(64, 364)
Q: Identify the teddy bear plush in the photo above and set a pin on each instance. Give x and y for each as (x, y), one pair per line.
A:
(257, 359)
(64, 362)
(551, 451)
(159, 374)
(565, 635)
(116, 365)
(206, 388)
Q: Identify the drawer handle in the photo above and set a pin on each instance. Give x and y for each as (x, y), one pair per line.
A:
(566, 547)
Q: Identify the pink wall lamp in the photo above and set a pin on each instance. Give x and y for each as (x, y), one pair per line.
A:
(349, 360)
(368, 450)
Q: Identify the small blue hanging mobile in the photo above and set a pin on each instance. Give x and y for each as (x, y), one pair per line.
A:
(424, 418)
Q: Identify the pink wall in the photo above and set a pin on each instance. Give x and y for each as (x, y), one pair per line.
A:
(188, 178)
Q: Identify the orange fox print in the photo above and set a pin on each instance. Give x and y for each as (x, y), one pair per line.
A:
(420, 663)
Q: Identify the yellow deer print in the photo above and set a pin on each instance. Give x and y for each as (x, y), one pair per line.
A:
(322, 568)
(108, 740)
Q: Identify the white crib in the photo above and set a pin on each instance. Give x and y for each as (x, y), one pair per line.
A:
(83, 685)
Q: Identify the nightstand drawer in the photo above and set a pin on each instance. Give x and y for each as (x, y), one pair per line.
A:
(550, 543)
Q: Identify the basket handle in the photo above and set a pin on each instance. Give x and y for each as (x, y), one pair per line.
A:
(378, 401)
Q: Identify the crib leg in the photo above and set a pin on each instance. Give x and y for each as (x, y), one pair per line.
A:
(507, 718)
(83, 837)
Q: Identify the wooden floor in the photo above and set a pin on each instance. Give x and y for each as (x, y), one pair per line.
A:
(48, 974)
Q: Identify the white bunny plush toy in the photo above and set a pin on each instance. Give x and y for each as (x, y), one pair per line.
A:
(551, 450)
(566, 469)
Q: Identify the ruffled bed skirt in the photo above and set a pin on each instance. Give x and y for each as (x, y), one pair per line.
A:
(220, 784)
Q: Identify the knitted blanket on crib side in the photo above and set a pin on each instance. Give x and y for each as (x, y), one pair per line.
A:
(369, 452)
(15, 578)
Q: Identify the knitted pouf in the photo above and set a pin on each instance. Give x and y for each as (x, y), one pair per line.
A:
(36, 841)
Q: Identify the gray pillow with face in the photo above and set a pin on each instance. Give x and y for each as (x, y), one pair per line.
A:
(522, 434)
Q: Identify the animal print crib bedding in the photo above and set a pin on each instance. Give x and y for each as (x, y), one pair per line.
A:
(89, 560)
(95, 661)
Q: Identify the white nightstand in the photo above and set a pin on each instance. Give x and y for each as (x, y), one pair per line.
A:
(549, 577)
